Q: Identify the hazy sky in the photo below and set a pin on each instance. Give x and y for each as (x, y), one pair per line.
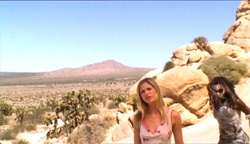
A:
(44, 35)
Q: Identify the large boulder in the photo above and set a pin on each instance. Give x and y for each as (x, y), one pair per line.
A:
(187, 117)
(239, 32)
(186, 86)
(221, 48)
(188, 54)
(185, 90)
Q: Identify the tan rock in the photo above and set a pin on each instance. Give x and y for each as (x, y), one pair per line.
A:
(176, 80)
(180, 56)
(221, 48)
(188, 54)
(186, 86)
(187, 117)
(195, 56)
(239, 32)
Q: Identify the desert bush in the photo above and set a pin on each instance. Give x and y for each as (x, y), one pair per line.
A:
(118, 99)
(2, 119)
(28, 117)
(20, 113)
(224, 66)
(111, 105)
(9, 134)
(5, 109)
(21, 142)
(94, 110)
(168, 66)
(35, 114)
(201, 43)
(132, 100)
(201, 40)
(30, 127)
(52, 103)
(76, 108)
(92, 132)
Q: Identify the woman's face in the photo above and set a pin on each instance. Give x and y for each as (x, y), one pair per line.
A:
(148, 93)
(219, 90)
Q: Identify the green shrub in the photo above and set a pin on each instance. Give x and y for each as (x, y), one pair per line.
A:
(118, 99)
(5, 109)
(20, 114)
(2, 119)
(35, 114)
(76, 107)
(9, 134)
(30, 127)
(202, 43)
(168, 66)
(94, 110)
(94, 131)
(21, 142)
(28, 117)
(201, 40)
(132, 100)
(224, 66)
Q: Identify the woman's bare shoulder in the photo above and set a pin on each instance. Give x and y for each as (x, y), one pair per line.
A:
(175, 116)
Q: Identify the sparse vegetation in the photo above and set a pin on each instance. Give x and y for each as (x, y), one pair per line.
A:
(202, 44)
(132, 101)
(76, 107)
(2, 119)
(118, 99)
(224, 66)
(8, 134)
(168, 66)
(31, 102)
(94, 131)
(5, 109)
(21, 142)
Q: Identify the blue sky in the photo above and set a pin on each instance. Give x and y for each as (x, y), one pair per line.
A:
(38, 36)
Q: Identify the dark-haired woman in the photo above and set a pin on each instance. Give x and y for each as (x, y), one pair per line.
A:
(226, 106)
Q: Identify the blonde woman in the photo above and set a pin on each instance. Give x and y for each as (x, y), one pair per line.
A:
(154, 122)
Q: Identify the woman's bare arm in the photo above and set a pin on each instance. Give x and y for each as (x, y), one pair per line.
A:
(136, 126)
(137, 136)
(177, 128)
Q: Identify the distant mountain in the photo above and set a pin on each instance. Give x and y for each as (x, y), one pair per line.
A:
(105, 70)
(18, 74)
(108, 67)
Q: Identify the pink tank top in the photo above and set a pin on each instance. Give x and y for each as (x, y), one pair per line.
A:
(162, 134)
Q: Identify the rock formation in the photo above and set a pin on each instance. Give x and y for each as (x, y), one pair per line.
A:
(184, 86)
(239, 32)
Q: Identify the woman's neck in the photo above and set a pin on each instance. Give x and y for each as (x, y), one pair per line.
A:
(152, 109)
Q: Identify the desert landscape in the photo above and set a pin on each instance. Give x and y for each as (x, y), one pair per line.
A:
(91, 104)
(108, 82)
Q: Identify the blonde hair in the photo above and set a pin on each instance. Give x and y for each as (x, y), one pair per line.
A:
(142, 106)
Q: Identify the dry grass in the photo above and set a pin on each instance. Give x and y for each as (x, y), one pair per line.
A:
(34, 95)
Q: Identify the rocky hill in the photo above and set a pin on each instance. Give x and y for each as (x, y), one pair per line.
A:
(108, 67)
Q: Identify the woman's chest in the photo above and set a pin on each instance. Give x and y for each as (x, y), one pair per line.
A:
(151, 123)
